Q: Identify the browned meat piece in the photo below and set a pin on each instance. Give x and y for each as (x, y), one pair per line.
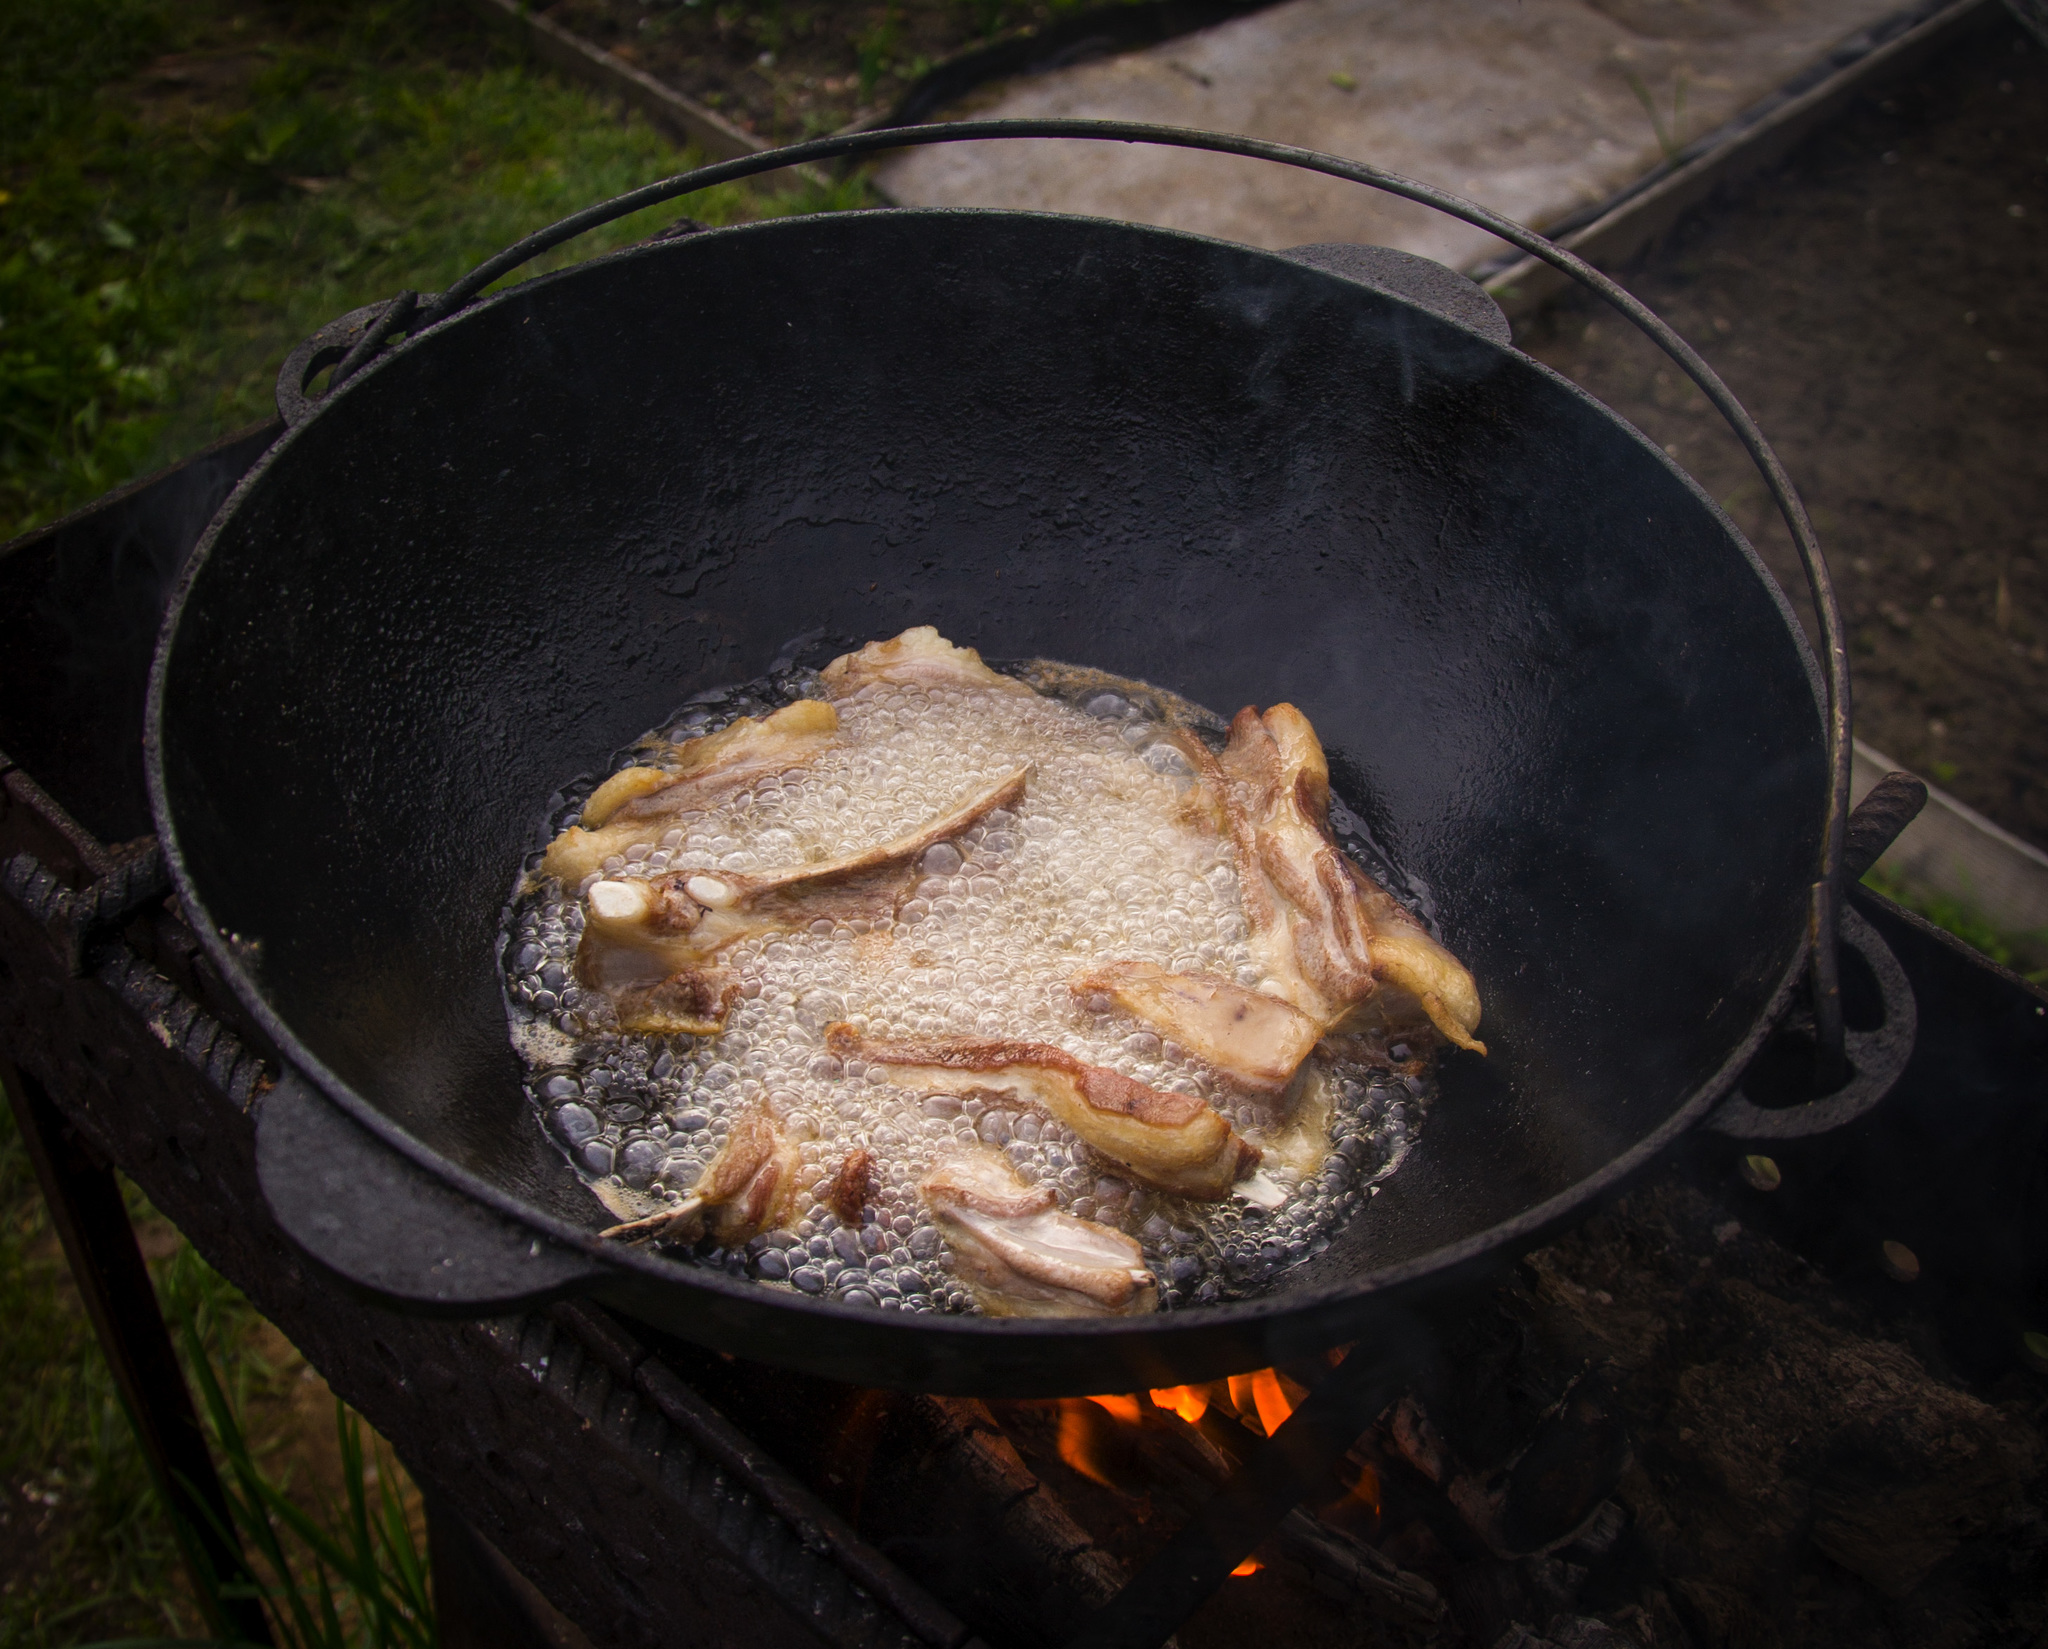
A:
(1021, 1256)
(852, 1186)
(921, 656)
(1256, 1038)
(637, 805)
(639, 933)
(1172, 1141)
(749, 1188)
(1326, 934)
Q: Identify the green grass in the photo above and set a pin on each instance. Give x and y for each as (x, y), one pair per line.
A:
(89, 1551)
(2019, 952)
(356, 1575)
(163, 243)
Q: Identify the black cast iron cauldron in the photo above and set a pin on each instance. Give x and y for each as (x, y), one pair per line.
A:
(1552, 676)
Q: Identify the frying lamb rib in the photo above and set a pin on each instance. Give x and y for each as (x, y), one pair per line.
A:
(639, 804)
(1257, 1038)
(646, 937)
(919, 655)
(750, 1187)
(1021, 1256)
(1328, 936)
(1174, 1142)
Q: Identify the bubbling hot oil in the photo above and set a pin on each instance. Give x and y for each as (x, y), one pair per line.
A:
(1095, 864)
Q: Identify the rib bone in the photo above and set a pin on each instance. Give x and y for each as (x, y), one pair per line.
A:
(1022, 1257)
(1172, 1141)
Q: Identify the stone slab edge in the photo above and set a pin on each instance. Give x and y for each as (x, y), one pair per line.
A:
(1953, 849)
(1527, 285)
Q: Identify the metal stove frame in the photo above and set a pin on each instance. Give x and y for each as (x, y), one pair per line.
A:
(556, 1445)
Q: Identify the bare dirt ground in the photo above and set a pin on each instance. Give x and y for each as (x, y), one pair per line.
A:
(1877, 305)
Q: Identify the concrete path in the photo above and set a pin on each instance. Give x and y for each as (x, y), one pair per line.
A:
(1532, 107)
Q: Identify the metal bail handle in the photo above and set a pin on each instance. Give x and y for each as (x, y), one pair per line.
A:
(1824, 911)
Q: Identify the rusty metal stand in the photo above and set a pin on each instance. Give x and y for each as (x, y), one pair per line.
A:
(92, 1222)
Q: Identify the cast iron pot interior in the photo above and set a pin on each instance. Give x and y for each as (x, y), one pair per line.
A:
(1551, 676)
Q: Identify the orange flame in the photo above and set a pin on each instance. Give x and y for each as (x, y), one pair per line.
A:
(1262, 1401)
(1274, 1404)
(1367, 1488)
(1119, 1407)
(1364, 1490)
(1076, 1446)
(1241, 1398)
(1189, 1402)
(1265, 1398)
(1250, 1566)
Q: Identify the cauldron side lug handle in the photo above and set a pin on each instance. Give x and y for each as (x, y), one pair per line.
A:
(347, 343)
(1434, 286)
(387, 1228)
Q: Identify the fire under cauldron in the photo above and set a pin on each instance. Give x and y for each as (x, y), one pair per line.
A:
(1554, 679)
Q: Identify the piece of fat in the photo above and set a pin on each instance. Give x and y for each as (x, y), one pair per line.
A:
(918, 655)
(1302, 1142)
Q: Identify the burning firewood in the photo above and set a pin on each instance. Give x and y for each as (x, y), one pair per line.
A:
(1185, 1442)
(1345, 1565)
(947, 1482)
